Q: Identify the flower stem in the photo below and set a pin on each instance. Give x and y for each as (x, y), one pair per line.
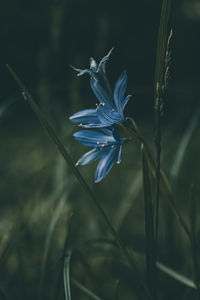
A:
(159, 86)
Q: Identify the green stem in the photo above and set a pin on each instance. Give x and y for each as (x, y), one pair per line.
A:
(159, 80)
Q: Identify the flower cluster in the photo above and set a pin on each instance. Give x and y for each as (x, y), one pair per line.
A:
(106, 143)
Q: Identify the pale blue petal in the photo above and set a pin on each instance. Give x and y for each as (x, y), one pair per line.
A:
(106, 131)
(94, 125)
(93, 64)
(109, 116)
(119, 91)
(101, 94)
(106, 164)
(82, 71)
(125, 101)
(90, 156)
(102, 63)
(115, 134)
(85, 117)
(93, 138)
(119, 155)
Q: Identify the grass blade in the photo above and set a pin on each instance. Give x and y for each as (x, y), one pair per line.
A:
(149, 227)
(177, 276)
(66, 276)
(85, 290)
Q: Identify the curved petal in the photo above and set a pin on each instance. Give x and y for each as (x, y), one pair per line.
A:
(101, 94)
(119, 91)
(125, 101)
(94, 125)
(108, 116)
(93, 64)
(82, 71)
(119, 154)
(116, 134)
(85, 117)
(90, 156)
(106, 131)
(101, 66)
(103, 80)
(93, 138)
(106, 164)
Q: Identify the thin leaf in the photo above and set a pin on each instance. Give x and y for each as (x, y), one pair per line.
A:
(159, 83)
(177, 276)
(66, 277)
(85, 290)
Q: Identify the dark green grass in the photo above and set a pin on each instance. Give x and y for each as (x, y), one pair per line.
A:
(31, 193)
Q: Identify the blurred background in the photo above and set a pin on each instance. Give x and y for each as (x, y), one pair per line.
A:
(42, 206)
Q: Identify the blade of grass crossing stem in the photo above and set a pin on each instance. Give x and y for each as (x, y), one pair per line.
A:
(51, 132)
(149, 228)
(177, 276)
(66, 277)
(159, 79)
(85, 290)
(165, 186)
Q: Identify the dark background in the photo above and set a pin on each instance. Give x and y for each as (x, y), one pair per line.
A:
(41, 39)
(41, 202)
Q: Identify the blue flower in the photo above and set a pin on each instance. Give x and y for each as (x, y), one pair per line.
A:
(97, 72)
(107, 146)
(110, 108)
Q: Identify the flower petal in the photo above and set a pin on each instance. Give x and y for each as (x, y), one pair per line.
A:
(119, 91)
(82, 71)
(102, 95)
(108, 116)
(90, 156)
(93, 138)
(101, 66)
(125, 101)
(116, 134)
(119, 154)
(86, 117)
(106, 164)
(106, 131)
(93, 64)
